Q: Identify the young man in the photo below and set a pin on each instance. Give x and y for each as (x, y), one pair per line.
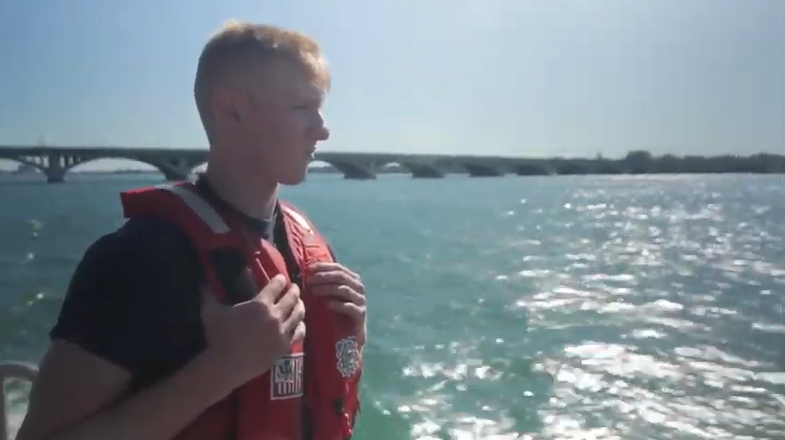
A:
(141, 350)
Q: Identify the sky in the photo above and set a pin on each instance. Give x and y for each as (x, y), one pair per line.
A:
(496, 77)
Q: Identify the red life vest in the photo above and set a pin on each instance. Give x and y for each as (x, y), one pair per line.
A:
(318, 382)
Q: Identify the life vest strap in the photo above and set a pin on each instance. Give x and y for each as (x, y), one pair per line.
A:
(199, 206)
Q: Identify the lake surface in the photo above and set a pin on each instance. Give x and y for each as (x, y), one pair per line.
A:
(647, 307)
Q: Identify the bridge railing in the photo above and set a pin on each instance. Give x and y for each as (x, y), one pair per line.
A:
(12, 370)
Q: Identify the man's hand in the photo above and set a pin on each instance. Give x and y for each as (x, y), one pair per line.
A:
(249, 337)
(345, 291)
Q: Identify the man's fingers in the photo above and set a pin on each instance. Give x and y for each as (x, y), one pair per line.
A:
(345, 293)
(320, 267)
(353, 311)
(270, 293)
(295, 319)
(299, 332)
(288, 301)
(336, 277)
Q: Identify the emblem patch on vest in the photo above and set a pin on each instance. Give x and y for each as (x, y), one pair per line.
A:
(347, 355)
(287, 378)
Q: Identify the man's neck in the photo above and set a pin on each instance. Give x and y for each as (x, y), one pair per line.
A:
(253, 198)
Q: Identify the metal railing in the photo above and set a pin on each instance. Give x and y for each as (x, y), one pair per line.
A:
(12, 370)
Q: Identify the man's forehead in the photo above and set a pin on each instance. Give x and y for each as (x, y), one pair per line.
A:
(285, 78)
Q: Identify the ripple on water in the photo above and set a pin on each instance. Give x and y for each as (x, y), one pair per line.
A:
(672, 316)
(472, 395)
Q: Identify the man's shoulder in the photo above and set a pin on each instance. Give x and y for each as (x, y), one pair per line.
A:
(139, 258)
(133, 289)
(143, 236)
(144, 227)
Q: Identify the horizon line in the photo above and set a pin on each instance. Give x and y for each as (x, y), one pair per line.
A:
(205, 149)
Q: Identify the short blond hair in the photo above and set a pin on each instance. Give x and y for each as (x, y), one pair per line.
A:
(237, 42)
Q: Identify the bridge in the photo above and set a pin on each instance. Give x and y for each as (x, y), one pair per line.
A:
(178, 164)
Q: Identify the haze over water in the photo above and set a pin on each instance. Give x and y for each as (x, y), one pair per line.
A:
(544, 307)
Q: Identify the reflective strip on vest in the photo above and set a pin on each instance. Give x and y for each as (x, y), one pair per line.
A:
(199, 206)
(299, 219)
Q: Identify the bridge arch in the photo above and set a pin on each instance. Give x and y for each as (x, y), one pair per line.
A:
(53, 168)
(199, 168)
(173, 169)
(353, 170)
(322, 167)
(19, 165)
(366, 170)
(112, 165)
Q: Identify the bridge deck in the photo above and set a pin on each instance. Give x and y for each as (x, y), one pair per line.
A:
(29, 150)
(178, 163)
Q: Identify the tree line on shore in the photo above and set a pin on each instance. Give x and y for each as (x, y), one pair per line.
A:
(635, 162)
(643, 162)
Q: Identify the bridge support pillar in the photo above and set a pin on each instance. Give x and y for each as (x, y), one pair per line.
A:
(56, 167)
(482, 171)
(175, 169)
(531, 170)
(359, 174)
(355, 171)
(424, 171)
(55, 177)
(170, 176)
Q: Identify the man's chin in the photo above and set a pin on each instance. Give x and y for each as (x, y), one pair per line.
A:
(294, 179)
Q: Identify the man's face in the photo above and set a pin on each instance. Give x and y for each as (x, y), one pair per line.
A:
(280, 122)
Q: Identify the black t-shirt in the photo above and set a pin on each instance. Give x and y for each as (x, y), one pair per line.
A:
(134, 298)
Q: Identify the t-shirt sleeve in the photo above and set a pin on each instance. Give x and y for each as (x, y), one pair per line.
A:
(119, 302)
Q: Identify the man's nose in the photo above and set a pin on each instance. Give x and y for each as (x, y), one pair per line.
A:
(319, 131)
(322, 133)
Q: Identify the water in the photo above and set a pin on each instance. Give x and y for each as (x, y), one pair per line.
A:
(543, 308)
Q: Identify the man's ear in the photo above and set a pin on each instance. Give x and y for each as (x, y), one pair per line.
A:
(225, 107)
